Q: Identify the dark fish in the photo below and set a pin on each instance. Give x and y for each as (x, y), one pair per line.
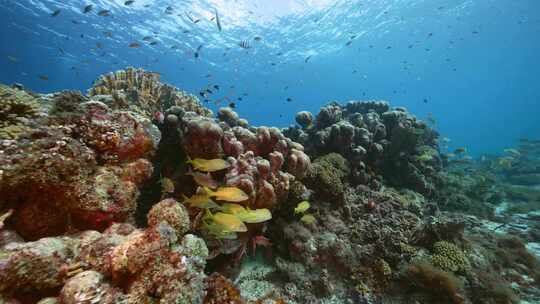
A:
(475, 32)
(185, 31)
(388, 47)
(108, 34)
(410, 46)
(134, 45)
(425, 100)
(257, 38)
(99, 45)
(82, 36)
(289, 99)
(55, 13)
(208, 75)
(352, 37)
(279, 54)
(74, 21)
(307, 59)
(174, 47)
(61, 51)
(196, 54)
(104, 13)
(203, 94)
(354, 71)
(197, 21)
(217, 20)
(213, 18)
(272, 63)
(169, 10)
(153, 43)
(43, 77)
(199, 48)
(232, 105)
(239, 98)
(216, 87)
(209, 91)
(430, 34)
(348, 43)
(129, 2)
(87, 9)
(147, 38)
(244, 44)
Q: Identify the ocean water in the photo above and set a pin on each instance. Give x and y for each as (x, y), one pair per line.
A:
(471, 65)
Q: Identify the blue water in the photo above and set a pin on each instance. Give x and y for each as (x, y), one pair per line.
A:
(472, 65)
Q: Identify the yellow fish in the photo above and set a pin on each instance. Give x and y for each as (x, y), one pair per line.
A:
(302, 207)
(202, 201)
(229, 222)
(308, 219)
(167, 185)
(229, 194)
(209, 165)
(254, 216)
(232, 208)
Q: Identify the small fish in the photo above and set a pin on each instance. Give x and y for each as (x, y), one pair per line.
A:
(239, 98)
(147, 38)
(244, 44)
(425, 100)
(167, 185)
(153, 43)
(307, 58)
(308, 219)
(228, 194)
(202, 201)
(254, 216)
(197, 21)
(216, 87)
(208, 165)
(348, 43)
(12, 58)
(257, 38)
(129, 2)
(4, 217)
(56, 13)
(289, 99)
(204, 180)
(460, 150)
(302, 207)
(87, 9)
(232, 208)
(196, 54)
(134, 45)
(43, 77)
(108, 34)
(169, 10)
(104, 13)
(74, 21)
(230, 222)
(199, 48)
(99, 45)
(218, 23)
(232, 105)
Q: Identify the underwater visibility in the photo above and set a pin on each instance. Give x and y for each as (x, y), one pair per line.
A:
(269, 151)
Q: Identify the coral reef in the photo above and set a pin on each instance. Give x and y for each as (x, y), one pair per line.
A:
(17, 109)
(134, 193)
(121, 264)
(375, 139)
(141, 91)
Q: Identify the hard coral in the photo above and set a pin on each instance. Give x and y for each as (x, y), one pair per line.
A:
(449, 257)
(141, 91)
(17, 109)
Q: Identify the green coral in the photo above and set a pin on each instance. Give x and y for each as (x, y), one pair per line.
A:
(16, 109)
(447, 256)
(327, 174)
